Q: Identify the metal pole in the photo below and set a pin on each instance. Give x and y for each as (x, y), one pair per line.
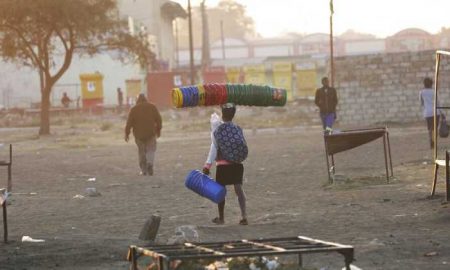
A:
(385, 158)
(447, 174)
(222, 39)
(331, 51)
(5, 222)
(191, 45)
(435, 123)
(389, 152)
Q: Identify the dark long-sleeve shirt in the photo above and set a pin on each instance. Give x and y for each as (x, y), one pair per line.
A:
(145, 120)
(326, 100)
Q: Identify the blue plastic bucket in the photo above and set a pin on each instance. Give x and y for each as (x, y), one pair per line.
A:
(205, 186)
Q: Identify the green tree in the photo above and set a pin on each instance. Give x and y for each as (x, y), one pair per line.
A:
(46, 34)
(236, 23)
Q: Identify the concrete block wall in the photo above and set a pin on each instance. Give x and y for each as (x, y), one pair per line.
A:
(385, 88)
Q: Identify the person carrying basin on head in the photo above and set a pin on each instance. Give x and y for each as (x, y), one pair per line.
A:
(229, 150)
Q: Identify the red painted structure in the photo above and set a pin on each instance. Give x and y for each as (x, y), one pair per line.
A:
(214, 75)
(160, 85)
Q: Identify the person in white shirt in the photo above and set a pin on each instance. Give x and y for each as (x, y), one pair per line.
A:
(427, 102)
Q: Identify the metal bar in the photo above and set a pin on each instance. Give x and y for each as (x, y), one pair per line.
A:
(263, 245)
(203, 248)
(436, 87)
(360, 129)
(300, 260)
(333, 167)
(443, 107)
(331, 51)
(261, 253)
(9, 169)
(326, 156)
(447, 174)
(389, 151)
(434, 135)
(433, 185)
(438, 52)
(385, 159)
(5, 222)
(317, 241)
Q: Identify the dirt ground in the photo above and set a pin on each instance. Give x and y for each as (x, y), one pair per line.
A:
(391, 226)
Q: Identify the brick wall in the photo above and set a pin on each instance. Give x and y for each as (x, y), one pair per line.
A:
(385, 88)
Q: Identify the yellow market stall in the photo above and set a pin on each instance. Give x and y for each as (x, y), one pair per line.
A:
(307, 82)
(282, 77)
(133, 88)
(255, 74)
(91, 90)
(233, 75)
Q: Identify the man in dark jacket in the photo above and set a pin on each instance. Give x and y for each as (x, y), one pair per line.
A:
(326, 100)
(145, 120)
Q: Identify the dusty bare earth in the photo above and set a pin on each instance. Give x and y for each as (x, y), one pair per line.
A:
(391, 226)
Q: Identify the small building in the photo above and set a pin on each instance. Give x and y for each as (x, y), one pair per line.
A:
(410, 40)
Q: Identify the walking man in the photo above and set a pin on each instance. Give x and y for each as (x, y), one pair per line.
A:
(326, 99)
(145, 120)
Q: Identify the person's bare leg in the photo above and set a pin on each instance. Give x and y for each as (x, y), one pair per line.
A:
(221, 218)
(242, 202)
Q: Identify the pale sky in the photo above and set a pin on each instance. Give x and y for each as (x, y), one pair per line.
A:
(379, 17)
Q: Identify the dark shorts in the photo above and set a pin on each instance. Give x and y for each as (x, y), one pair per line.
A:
(430, 122)
(229, 174)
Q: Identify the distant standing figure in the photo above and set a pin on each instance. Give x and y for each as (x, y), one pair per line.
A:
(65, 100)
(427, 102)
(145, 120)
(119, 97)
(326, 99)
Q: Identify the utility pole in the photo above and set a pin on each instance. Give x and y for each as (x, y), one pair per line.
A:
(206, 59)
(222, 39)
(191, 45)
(331, 44)
(177, 55)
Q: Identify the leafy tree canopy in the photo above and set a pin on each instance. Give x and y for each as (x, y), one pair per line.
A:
(45, 34)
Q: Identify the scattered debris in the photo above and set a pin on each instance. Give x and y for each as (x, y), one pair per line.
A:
(431, 254)
(376, 242)
(117, 185)
(78, 196)
(26, 238)
(92, 179)
(92, 192)
(185, 233)
(353, 267)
